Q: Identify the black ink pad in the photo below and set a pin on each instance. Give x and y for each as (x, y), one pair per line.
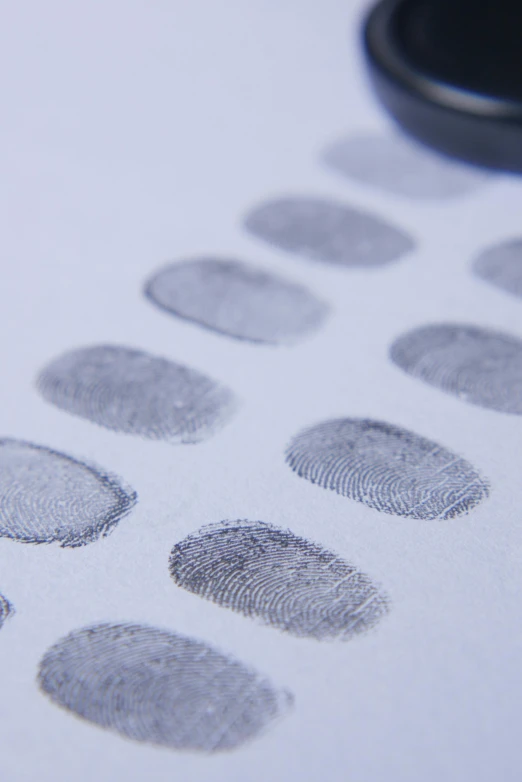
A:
(450, 73)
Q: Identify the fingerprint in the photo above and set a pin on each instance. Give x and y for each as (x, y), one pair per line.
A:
(238, 300)
(135, 393)
(397, 165)
(501, 265)
(6, 610)
(159, 687)
(47, 497)
(328, 232)
(387, 468)
(478, 365)
(282, 580)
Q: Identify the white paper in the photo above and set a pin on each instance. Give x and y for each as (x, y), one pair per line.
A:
(135, 134)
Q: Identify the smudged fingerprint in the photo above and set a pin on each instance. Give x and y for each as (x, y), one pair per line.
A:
(47, 497)
(501, 265)
(159, 687)
(132, 392)
(398, 165)
(478, 365)
(285, 581)
(236, 299)
(6, 610)
(387, 468)
(328, 232)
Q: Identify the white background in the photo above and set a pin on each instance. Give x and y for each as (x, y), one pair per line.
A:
(138, 132)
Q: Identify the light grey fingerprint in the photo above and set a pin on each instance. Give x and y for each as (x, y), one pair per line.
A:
(285, 581)
(6, 610)
(328, 232)
(159, 687)
(46, 497)
(387, 468)
(478, 365)
(397, 165)
(236, 299)
(132, 392)
(501, 265)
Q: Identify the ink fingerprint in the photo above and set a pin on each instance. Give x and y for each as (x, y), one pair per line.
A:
(47, 497)
(328, 232)
(236, 299)
(387, 468)
(6, 610)
(284, 581)
(399, 166)
(478, 365)
(501, 266)
(133, 392)
(159, 687)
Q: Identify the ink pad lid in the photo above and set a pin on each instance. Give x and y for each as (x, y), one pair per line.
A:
(450, 73)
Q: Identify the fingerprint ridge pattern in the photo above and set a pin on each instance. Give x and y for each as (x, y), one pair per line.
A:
(395, 165)
(47, 496)
(477, 365)
(159, 687)
(501, 266)
(6, 610)
(235, 299)
(328, 232)
(387, 468)
(132, 392)
(282, 580)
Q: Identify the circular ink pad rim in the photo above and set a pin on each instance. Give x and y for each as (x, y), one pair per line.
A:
(478, 128)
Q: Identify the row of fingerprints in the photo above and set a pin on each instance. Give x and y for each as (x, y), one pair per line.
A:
(160, 687)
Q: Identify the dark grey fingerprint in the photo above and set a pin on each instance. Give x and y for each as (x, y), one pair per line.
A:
(477, 365)
(397, 165)
(159, 687)
(135, 393)
(46, 497)
(501, 265)
(387, 468)
(236, 299)
(283, 580)
(328, 232)
(6, 610)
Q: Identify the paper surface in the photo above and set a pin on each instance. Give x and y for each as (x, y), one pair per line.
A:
(136, 135)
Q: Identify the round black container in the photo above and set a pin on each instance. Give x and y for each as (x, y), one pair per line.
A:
(450, 73)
